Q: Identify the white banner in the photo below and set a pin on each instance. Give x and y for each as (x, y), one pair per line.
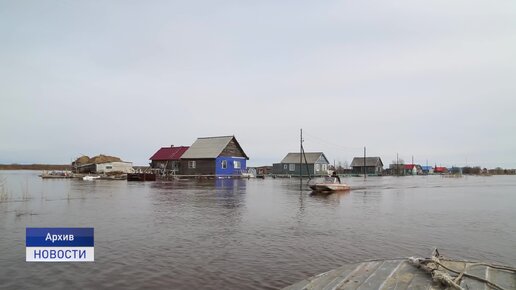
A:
(60, 254)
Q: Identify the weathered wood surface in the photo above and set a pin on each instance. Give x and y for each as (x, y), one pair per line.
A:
(400, 274)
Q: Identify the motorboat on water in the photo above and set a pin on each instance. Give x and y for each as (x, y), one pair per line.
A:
(90, 178)
(328, 184)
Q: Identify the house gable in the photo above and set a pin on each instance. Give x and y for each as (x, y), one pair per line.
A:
(233, 149)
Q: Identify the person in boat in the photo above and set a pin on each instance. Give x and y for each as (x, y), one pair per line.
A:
(334, 174)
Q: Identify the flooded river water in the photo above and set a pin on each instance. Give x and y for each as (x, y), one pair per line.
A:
(248, 234)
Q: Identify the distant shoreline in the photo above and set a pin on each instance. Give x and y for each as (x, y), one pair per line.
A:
(35, 167)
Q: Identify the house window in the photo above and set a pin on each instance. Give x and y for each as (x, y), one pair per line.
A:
(324, 167)
(317, 167)
(191, 164)
(236, 164)
(224, 164)
(285, 166)
(109, 167)
(292, 167)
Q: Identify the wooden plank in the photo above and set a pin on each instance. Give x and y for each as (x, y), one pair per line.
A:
(342, 274)
(358, 276)
(322, 280)
(377, 278)
(401, 278)
(298, 286)
(504, 279)
(469, 283)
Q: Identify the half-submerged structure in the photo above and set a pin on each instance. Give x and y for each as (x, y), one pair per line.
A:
(168, 158)
(220, 156)
(371, 165)
(315, 164)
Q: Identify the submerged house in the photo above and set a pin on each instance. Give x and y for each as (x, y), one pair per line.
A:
(219, 156)
(373, 165)
(168, 158)
(316, 164)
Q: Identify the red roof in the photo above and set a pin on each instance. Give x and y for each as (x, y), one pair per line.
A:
(440, 169)
(408, 166)
(169, 153)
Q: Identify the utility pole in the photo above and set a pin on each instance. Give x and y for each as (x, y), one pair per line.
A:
(365, 170)
(300, 158)
(397, 165)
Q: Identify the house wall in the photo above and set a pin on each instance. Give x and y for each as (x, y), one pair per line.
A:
(125, 167)
(89, 168)
(369, 170)
(202, 167)
(164, 164)
(230, 169)
(320, 168)
(278, 168)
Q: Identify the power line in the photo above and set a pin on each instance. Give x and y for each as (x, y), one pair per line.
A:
(323, 141)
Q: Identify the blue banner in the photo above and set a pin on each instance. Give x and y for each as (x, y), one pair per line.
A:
(59, 237)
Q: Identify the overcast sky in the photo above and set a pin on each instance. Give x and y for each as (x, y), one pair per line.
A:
(431, 79)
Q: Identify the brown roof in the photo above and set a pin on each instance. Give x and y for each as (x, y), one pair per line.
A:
(370, 161)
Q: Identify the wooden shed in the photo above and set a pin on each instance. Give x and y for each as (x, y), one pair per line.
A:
(216, 156)
(168, 158)
(316, 164)
(373, 165)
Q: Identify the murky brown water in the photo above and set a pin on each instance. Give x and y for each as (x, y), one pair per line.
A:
(248, 234)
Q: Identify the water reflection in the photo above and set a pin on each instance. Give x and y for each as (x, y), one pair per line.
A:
(330, 197)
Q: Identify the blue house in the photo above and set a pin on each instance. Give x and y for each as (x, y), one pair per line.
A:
(214, 156)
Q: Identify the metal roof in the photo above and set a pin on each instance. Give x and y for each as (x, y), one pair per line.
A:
(209, 147)
(370, 161)
(311, 157)
(169, 153)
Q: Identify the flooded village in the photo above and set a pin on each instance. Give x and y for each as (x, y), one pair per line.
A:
(223, 157)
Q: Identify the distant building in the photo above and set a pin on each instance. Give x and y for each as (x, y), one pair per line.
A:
(440, 170)
(373, 165)
(316, 164)
(395, 169)
(168, 158)
(101, 164)
(455, 170)
(412, 169)
(263, 170)
(427, 169)
(220, 156)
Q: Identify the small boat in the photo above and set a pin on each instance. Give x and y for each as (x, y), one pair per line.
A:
(90, 178)
(328, 184)
(56, 174)
(436, 272)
